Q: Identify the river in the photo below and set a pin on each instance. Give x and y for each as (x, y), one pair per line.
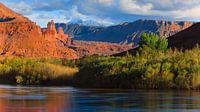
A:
(68, 99)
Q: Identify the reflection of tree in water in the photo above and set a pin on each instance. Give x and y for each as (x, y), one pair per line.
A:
(43, 101)
(143, 100)
(169, 100)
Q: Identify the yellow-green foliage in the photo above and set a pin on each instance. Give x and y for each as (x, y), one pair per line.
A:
(27, 71)
(150, 68)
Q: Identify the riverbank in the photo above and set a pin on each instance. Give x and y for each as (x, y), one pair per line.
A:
(149, 69)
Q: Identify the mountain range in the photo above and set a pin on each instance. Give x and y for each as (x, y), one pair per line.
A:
(125, 33)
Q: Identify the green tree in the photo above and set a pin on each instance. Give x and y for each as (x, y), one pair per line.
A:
(153, 41)
(162, 44)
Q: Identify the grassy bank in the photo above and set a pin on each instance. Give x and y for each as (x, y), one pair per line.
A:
(29, 71)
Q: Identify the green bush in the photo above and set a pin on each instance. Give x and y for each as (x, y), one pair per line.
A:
(149, 68)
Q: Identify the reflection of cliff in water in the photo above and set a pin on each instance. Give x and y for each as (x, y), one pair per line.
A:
(36, 99)
(22, 100)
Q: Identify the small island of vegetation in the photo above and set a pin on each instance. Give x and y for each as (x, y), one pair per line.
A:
(154, 66)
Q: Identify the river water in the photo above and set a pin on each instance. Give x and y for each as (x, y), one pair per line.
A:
(67, 99)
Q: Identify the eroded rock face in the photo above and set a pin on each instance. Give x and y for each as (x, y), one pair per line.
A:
(21, 37)
(170, 28)
(51, 34)
(26, 39)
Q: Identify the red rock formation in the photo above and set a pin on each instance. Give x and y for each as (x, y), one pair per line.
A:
(25, 39)
(98, 48)
(21, 37)
(170, 28)
(64, 37)
(52, 35)
(60, 31)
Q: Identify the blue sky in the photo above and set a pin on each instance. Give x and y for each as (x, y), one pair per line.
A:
(107, 12)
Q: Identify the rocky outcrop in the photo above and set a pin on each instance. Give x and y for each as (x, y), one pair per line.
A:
(51, 34)
(125, 33)
(26, 39)
(21, 37)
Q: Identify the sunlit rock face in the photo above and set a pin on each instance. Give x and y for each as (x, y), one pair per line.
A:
(51, 34)
(21, 37)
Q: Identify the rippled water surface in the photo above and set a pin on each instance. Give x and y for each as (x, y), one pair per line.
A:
(67, 99)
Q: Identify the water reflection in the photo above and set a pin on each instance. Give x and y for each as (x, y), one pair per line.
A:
(54, 99)
(18, 99)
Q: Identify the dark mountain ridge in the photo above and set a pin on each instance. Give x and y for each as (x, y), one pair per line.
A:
(186, 39)
(125, 33)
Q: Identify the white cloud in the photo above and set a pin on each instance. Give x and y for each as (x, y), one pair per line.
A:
(176, 9)
(132, 7)
(108, 11)
(105, 2)
(75, 15)
(22, 8)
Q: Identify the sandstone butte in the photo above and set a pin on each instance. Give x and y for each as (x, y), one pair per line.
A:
(21, 37)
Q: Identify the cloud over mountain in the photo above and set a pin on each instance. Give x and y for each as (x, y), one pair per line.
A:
(107, 11)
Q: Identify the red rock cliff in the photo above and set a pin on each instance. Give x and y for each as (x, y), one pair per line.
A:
(21, 37)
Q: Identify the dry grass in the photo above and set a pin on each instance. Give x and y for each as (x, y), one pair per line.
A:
(29, 71)
(56, 70)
